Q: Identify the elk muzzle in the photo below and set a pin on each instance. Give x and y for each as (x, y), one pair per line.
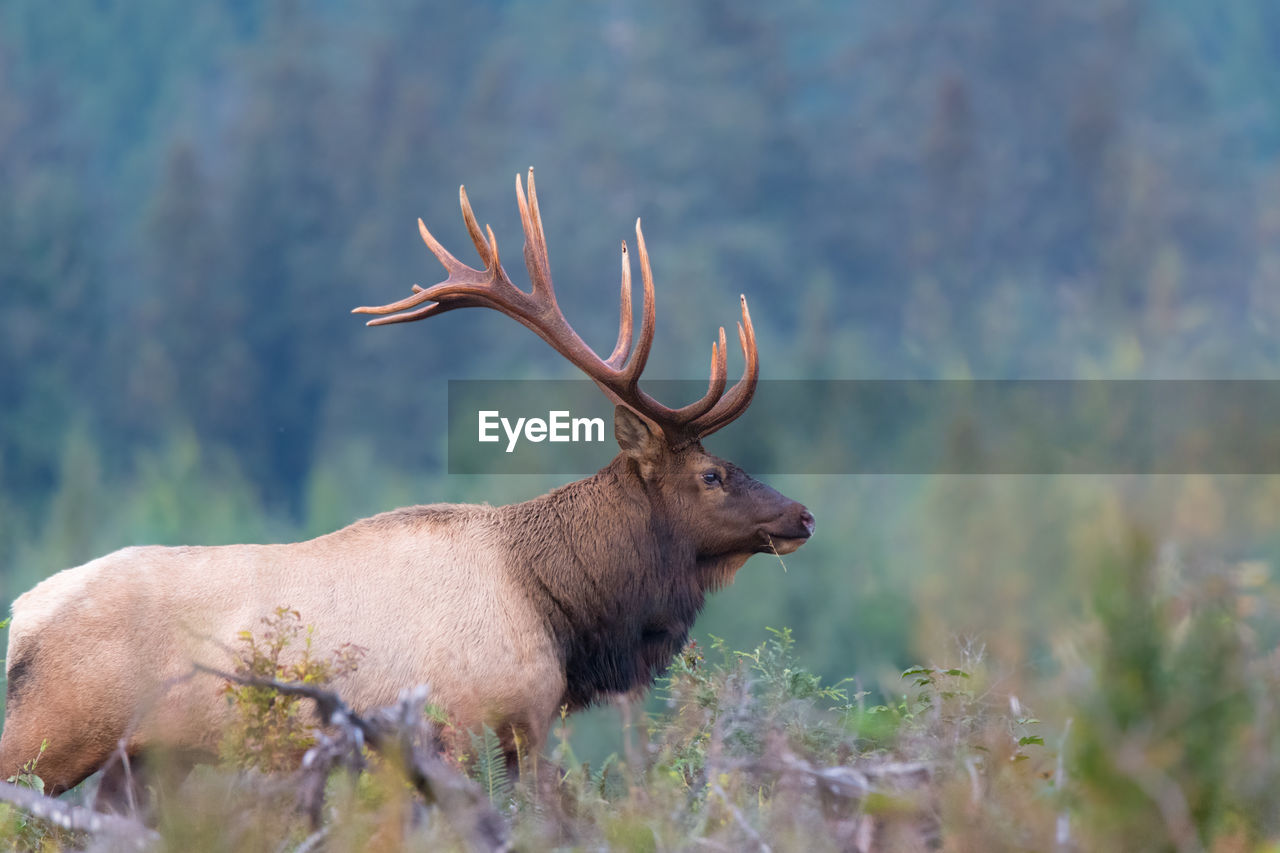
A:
(791, 529)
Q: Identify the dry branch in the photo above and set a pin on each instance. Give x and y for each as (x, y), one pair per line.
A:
(78, 818)
(401, 734)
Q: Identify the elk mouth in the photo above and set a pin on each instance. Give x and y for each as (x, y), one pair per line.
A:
(783, 545)
(788, 536)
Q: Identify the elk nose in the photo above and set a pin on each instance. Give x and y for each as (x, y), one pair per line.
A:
(806, 519)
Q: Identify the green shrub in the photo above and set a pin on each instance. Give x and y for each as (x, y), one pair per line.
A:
(271, 730)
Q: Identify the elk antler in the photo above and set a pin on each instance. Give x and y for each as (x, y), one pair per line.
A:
(619, 374)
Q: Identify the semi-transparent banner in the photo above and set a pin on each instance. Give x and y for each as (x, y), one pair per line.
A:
(894, 427)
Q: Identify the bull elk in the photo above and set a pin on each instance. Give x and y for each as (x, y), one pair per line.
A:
(508, 613)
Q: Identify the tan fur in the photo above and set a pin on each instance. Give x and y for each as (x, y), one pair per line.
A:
(428, 600)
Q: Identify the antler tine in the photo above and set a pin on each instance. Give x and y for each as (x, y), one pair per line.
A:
(473, 228)
(675, 419)
(496, 261)
(451, 264)
(625, 320)
(680, 419)
(465, 287)
(408, 316)
(734, 403)
(443, 255)
(447, 260)
(715, 388)
(535, 241)
(648, 320)
(719, 376)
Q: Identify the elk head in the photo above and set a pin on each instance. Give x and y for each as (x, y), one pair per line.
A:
(729, 515)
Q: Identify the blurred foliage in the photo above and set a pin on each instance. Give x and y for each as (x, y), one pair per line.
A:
(1177, 708)
(192, 199)
(1160, 736)
(270, 730)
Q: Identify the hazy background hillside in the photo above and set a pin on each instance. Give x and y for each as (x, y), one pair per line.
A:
(193, 196)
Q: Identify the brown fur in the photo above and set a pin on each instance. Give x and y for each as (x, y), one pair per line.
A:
(508, 613)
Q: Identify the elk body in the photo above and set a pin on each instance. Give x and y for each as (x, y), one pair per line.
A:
(508, 613)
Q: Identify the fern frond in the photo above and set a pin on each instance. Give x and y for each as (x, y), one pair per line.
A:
(490, 768)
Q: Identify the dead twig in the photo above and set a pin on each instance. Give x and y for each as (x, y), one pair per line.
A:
(738, 817)
(399, 733)
(78, 818)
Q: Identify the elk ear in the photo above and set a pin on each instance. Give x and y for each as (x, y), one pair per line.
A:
(637, 439)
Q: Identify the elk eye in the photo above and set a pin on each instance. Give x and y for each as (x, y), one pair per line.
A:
(711, 478)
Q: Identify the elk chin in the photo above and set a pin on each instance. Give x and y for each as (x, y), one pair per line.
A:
(718, 572)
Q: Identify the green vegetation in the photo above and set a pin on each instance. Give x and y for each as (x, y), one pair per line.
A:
(1159, 735)
(271, 732)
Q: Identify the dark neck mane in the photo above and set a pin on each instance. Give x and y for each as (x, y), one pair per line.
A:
(618, 585)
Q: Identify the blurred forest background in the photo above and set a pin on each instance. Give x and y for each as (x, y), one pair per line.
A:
(194, 196)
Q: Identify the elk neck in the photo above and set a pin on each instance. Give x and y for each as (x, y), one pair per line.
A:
(616, 581)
